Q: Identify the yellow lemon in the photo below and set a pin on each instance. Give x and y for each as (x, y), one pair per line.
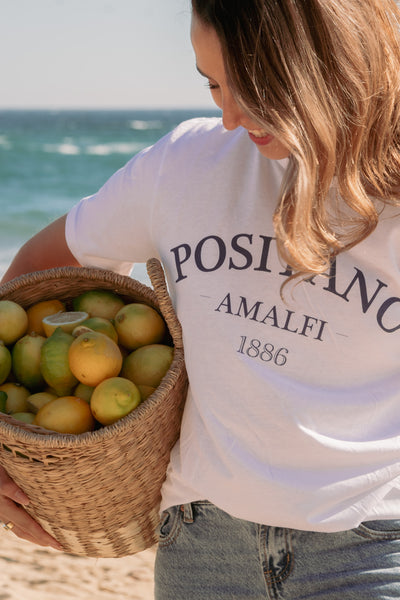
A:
(94, 357)
(13, 321)
(17, 396)
(54, 363)
(5, 362)
(36, 401)
(26, 355)
(148, 365)
(37, 312)
(113, 399)
(99, 303)
(138, 325)
(66, 414)
(67, 320)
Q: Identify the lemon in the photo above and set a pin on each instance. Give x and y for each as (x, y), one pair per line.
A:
(148, 365)
(113, 399)
(36, 401)
(54, 363)
(66, 414)
(26, 361)
(101, 325)
(50, 390)
(67, 320)
(37, 312)
(79, 329)
(25, 417)
(99, 303)
(5, 362)
(17, 396)
(84, 391)
(13, 321)
(93, 357)
(145, 391)
(139, 325)
(3, 400)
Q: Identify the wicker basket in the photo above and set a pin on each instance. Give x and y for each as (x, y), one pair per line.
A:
(98, 493)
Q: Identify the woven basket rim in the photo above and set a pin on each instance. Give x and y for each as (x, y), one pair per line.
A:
(91, 273)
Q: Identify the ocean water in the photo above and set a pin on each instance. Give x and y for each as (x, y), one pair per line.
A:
(51, 159)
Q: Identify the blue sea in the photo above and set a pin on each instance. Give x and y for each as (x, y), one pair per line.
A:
(51, 159)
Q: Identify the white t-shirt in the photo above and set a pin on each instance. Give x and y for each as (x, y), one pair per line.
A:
(293, 412)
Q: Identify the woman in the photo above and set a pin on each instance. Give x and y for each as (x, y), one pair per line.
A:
(279, 233)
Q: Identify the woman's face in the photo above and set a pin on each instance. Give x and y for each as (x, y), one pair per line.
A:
(210, 64)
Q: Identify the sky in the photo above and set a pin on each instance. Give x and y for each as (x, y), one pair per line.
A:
(98, 54)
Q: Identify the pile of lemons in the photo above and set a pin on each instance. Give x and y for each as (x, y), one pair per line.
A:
(73, 371)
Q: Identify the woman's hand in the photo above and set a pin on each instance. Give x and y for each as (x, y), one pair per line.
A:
(12, 500)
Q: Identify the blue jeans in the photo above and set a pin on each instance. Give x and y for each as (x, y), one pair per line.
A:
(205, 554)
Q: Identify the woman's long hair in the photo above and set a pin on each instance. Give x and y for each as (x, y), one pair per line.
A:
(323, 76)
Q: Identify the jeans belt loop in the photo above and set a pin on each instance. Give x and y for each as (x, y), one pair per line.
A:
(187, 513)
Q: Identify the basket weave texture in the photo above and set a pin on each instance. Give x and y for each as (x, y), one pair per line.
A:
(98, 493)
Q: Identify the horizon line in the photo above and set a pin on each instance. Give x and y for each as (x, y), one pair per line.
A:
(110, 108)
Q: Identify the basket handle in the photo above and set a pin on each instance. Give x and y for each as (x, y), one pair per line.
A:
(157, 278)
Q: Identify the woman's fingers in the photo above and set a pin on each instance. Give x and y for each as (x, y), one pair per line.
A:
(24, 526)
(9, 489)
(12, 500)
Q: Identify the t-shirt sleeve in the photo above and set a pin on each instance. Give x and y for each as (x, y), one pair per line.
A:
(112, 229)
(123, 223)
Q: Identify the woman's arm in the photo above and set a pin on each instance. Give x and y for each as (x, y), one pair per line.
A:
(47, 249)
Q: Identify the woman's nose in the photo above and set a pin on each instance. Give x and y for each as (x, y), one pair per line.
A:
(232, 114)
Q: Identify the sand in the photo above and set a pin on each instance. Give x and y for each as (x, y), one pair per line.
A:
(30, 572)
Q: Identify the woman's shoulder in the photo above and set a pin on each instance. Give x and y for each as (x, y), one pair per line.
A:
(200, 130)
(200, 136)
(198, 125)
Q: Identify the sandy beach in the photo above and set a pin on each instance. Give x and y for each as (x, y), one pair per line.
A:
(30, 572)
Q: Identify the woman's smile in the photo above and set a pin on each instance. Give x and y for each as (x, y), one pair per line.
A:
(210, 64)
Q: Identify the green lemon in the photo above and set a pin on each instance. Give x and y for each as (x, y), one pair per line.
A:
(26, 355)
(54, 363)
(102, 326)
(25, 417)
(113, 399)
(5, 362)
(3, 401)
(99, 303)
(148, 365)
(84, 391)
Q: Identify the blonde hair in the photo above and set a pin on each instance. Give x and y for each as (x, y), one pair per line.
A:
(324, 77)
